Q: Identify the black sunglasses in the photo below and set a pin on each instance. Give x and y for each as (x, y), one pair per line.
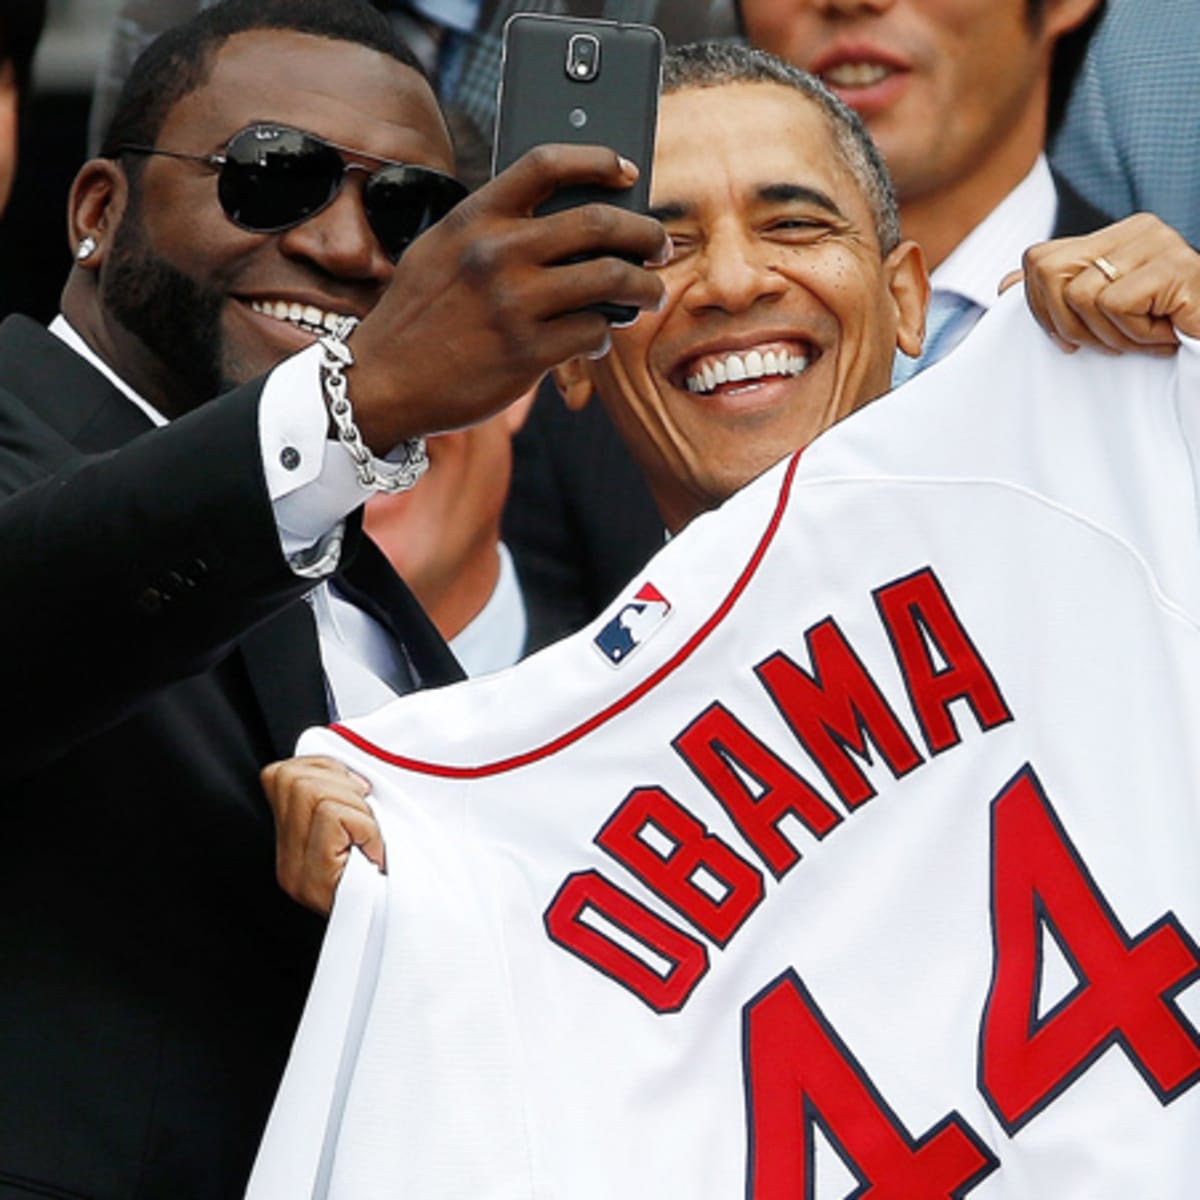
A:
(273, 177)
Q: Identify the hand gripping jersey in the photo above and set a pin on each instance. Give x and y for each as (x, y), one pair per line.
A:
(855, 851)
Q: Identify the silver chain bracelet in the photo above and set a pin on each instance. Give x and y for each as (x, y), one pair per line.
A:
(373, 474)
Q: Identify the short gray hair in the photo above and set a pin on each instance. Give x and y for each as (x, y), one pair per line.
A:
(713, 64)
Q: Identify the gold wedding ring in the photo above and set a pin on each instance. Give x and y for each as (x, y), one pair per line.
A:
(1106, 268)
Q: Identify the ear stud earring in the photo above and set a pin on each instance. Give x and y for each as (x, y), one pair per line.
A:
(85, 249)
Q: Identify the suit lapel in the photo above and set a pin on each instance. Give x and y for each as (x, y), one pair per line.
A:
(371, 582)
(283, 664)
(282, 656)
(81, 405)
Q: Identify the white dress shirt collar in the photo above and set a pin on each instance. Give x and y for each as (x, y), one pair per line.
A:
(496, 636)
(63, 329)
(994, 247)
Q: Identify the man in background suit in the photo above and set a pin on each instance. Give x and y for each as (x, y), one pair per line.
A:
(1129, 141)
(959, 95)
(163, 513)
(20, 26)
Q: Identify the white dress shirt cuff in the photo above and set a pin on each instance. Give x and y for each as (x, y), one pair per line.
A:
(310, 479)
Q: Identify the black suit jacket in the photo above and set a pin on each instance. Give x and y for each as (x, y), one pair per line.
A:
(580, 521)
(156, 656)
(1074, 215)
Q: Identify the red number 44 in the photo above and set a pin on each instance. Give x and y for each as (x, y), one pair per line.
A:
(800, 1075)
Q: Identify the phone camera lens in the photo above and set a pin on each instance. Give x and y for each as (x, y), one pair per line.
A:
(583, 57)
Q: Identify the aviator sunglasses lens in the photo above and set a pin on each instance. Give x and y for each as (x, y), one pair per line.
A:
(274, 177)
(402, 202)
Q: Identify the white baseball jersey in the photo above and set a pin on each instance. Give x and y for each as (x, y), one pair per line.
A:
(854, 851)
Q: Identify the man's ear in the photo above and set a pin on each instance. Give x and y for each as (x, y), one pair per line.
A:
(908, 283)
(97, 202)
(574, 382)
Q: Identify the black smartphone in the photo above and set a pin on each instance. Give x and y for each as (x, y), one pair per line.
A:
(568, 79)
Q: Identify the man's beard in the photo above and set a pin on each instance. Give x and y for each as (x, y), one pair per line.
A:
(176, 318)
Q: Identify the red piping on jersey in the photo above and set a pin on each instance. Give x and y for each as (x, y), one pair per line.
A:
(448, 771)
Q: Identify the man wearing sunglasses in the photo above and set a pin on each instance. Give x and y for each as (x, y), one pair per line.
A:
(275, 171)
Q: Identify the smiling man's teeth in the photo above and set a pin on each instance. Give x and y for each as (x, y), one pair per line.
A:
(856, 74)
(738, 368)
(308, 317)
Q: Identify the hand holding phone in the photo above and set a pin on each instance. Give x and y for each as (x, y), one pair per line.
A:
(581, 81)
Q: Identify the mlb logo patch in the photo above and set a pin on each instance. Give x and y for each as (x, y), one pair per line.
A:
(635, 622)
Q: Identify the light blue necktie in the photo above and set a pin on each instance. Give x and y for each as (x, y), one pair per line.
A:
(949, 317)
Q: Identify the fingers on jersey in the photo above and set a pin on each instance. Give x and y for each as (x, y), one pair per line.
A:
(321, 815)
(1127, 287)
